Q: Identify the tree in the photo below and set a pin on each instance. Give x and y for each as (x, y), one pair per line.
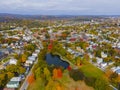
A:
(55, 73)
(107, 59)
(59, 73)
(31, 79)
(12, 68)
(78, 61)
(58, 87)
(113, 75)
(3, 79)
(46, 73)
(38, 72)
(21, 70)
(76, 75)
(23, 58)
(101, 84)
(10, 75)
(94, 60)
(108, 73)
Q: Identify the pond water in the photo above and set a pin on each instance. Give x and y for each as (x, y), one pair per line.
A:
(56, 60)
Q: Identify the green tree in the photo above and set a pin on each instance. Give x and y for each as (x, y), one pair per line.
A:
(46, 73)
(12, 68)
(21, 70)
(10, 75)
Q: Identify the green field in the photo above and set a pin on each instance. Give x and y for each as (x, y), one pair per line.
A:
(91, 71)
(37, 85)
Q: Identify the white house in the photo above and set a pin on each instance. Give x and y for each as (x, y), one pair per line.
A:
(103, 65)
(14, 82)
(103, 55)
(13, 61)
(90, 55)
(16, 79)
(99, 60)
(34, 54)
(32, 58)
(116, 69)
(37, 50)
(27, 38)
(29, 62)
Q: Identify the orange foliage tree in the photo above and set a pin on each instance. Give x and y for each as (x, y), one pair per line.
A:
(31, 79)
(57, 73)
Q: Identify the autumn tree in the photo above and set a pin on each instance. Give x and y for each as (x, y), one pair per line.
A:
(46, 73)
(10, 75)
(57, 73)
(78, 61)
(3, 79)
(23, 58)
(12, 68)
(31, 79)
(21, 70)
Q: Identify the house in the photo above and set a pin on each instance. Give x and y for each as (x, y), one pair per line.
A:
(69, 50)
(103, 55)
(90, 55)
(13, 61)
(32, 58)
(103, 65)
(116, 69)
(37, 50)
(34, 54)
(16, 79)
(73, 39)
(99, 60)
(27, 38)
(12, 84)
(28, 62)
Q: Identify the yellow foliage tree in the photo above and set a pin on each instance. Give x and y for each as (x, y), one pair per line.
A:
(23, 58)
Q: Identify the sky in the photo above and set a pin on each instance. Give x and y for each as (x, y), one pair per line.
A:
(60, 7)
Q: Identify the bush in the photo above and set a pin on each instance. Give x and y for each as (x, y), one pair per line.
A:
(76, 75)
(90, 81)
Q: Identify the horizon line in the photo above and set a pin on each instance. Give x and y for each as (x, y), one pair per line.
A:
(62, 14)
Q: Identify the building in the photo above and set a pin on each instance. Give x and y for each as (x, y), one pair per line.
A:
(32, 58)
(13, 61)
(12, 84)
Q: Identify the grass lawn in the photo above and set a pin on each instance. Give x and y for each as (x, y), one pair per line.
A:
(91, 71)
(37, 85)
(65, 83)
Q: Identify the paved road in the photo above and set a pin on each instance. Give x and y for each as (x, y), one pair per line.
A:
(25, 83)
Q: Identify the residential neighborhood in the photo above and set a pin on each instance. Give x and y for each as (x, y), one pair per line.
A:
(25, 52)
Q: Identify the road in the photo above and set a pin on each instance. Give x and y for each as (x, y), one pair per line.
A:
(25, 83)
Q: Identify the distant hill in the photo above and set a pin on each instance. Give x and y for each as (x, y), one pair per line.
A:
(8, 17)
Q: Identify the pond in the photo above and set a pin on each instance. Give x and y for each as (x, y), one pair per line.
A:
(56, 60)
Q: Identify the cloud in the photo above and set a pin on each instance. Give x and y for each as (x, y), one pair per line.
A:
(60, 6)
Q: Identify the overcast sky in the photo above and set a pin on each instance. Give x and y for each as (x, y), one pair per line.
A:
(61, 7)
